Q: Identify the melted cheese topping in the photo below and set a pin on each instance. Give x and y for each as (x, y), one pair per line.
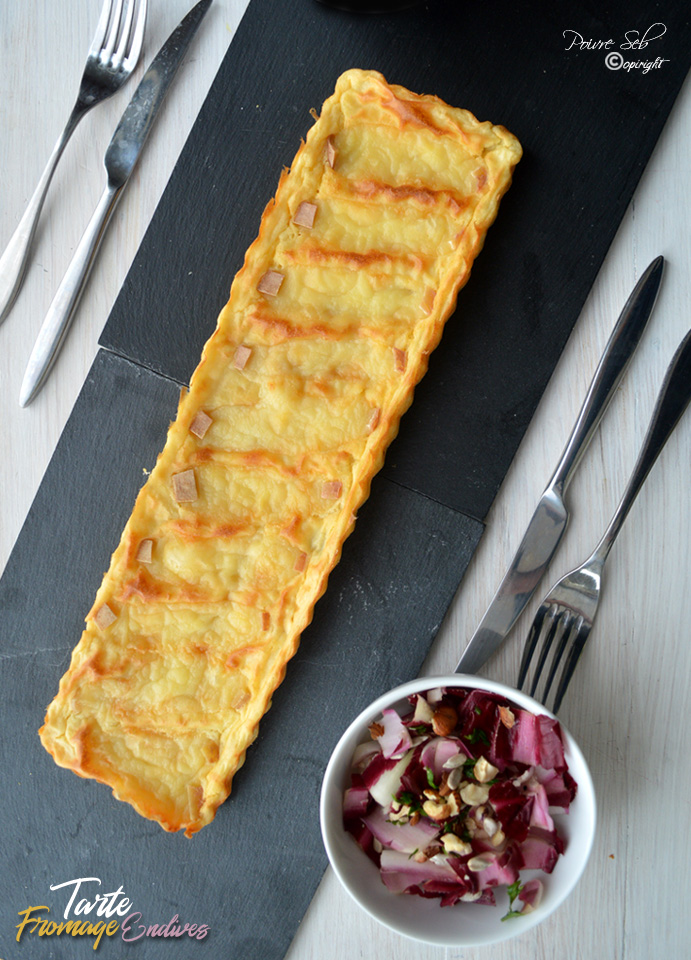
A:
(298, 394)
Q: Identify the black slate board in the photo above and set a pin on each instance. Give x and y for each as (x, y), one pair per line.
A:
(587, 133)
(251, 876)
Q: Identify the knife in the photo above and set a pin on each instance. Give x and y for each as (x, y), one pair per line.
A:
(121, 156)
(548, 523)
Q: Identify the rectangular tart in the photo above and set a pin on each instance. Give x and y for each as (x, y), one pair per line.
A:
(330, 321)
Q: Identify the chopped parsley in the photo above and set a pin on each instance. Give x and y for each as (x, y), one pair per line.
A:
(419, 730)
(513, 890)
(407, 799)
(477, 736)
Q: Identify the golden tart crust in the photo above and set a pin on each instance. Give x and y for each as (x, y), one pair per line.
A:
(341, 299)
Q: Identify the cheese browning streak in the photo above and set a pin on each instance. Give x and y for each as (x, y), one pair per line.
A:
(329, 325)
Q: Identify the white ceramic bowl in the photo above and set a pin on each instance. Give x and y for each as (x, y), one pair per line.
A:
(464, 924)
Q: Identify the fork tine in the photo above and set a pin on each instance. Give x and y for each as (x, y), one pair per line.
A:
(103, 21)
(571, 661)
(569, 627)
(113, 32)
(529, 647)
(136, 38)
(553, 624)
(119, 54)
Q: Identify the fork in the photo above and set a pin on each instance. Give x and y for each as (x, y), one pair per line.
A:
(112, 57)
(565, 617)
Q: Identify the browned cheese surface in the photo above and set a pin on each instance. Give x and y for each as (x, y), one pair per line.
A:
(299, 391)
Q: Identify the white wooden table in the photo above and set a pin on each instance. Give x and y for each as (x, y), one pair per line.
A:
(628, 704)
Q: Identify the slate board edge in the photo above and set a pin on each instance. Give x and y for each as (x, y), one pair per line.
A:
(144, 367)
(513, 438)
(64, 459)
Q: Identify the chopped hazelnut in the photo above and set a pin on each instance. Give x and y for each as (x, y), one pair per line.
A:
(444, 719)
(455, 777)
(497, 837)
(436, 811)
(474, 793)
(376, 730)
(330, 152)
(524, 777)
(507, 717)
(454, 844)
(484, 770)
(490, 826)
(455, 762)
(481, 862)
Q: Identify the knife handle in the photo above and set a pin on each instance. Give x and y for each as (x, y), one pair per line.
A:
(615, 359)
(535, 551)
(61, 311)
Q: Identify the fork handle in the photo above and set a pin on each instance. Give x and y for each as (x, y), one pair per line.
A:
(14, 260)
(61, 311)
(672, 400)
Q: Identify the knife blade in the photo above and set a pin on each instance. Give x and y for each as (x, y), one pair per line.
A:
(120, 159)
(550, 518)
